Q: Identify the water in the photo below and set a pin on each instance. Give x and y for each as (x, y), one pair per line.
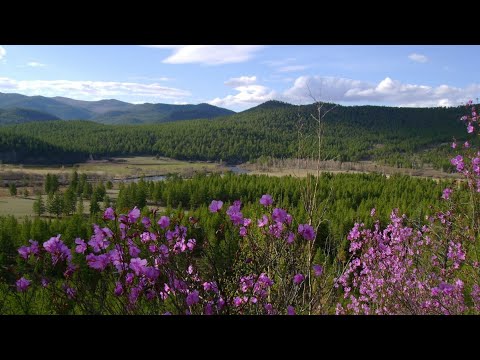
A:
(136, 179)
(237, 170)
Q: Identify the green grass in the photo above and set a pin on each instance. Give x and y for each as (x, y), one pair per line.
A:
(20, 207)
(16, 206)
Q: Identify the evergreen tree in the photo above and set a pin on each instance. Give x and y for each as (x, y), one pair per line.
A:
(13, 189)
(39, 206)
(94, 207)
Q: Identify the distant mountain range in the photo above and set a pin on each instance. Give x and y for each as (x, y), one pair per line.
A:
(17, 108)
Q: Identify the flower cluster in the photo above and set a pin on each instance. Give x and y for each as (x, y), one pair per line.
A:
(149, 263)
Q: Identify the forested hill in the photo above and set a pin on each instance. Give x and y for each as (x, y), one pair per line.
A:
(396, 136)
(19, 116)
(104, 111)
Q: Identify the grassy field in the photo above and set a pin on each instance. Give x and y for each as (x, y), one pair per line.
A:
(115, 168)
(288, 168)
(20, 206)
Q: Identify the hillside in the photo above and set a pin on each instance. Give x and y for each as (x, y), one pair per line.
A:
(403, 137)
(108, 111)
(159, 113)
(20, 116)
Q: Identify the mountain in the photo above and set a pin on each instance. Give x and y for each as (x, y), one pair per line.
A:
(20, 116)
(271, 104)
(110, 111)
(159, 113)
(43, 104)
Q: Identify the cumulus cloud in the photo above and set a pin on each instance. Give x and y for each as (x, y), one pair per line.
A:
(3, 52)
(90, 89)
(208, 54)
(387, 92)
(242, 80)
(247, 95)
(35, 64)
(418, 58)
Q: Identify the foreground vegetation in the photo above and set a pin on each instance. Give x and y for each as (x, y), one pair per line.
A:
(262, 246)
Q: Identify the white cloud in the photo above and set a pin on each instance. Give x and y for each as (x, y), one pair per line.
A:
(209, 54)
(418, 58)
(90, 89)
(3, 52)
(292, 68)
(386, 92)
(248, 95)
(242, 80)
(35, 64)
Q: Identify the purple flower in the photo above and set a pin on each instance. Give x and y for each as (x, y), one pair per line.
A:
(263, 221)
(134, 215)
(279, 215)
(98, 241)
(247, 222)
(234, 213)
(134, 251)
(317, 270)
(34, 249)
(44, 282)
(210, 286)
(70, 292)
(215, 206)
(454, 145)
(22, 284)
(469, 128)
(237, 301)
(138, 265)
(446, 193)
(298, 279)
(57, 249)
(192, 298)
(109, 214)
(458, 162)
(269, 308)
(208, 309)
(164, 222)
(290, 310)
(118, 289)
(306, 231)
(243, 231)
(146, 222)
(466, 144)
(81, 246)
(24, 251)
(151, 273)
(191, 244)
(290, 237)
(373, 212)
(99, 262)
(129, 278)
(266, 200)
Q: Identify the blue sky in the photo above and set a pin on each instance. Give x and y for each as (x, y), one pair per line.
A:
(239, 77)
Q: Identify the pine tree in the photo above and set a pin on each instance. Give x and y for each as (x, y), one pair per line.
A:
(39, 206)
(94, 208)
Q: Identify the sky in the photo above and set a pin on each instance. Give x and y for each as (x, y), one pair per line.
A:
(238, 77)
